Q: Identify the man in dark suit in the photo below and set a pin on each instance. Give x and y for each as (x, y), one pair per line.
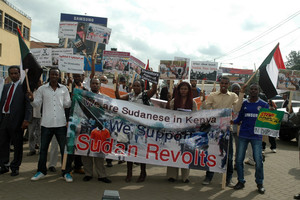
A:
(15, 112)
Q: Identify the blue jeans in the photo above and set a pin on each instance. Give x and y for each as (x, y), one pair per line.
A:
(257, 155)
(46, 137)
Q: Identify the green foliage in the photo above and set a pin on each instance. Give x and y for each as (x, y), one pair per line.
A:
(293, 62)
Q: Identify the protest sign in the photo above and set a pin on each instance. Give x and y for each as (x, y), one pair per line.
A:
(288, 80)
(67, 30)
(56, 52)
(136, 65)
(43, 56)
(151, 76)
(97, 33)
(154, 135)
(71, 63)
(116, 61)
(203, 70)
(172, 69)
(187, 60)
(235, 75)
(268, 122)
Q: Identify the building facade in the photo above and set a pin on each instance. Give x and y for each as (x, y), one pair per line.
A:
(11, 18)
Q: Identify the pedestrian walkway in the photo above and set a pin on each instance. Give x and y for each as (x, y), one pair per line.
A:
(282, 182)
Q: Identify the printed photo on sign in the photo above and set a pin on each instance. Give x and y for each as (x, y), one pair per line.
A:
(97, 33)
(172, 69)
(235, 75)
(203, 70)
(116, 61)
(288, 80)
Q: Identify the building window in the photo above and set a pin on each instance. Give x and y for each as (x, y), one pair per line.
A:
(0, 49)
(11, 24)
(26, 33)
(1, 18)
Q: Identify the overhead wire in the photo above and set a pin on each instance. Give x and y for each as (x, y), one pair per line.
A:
(261, 35)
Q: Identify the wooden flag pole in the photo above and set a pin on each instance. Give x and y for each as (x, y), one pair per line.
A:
(27, 82)
(252, 77)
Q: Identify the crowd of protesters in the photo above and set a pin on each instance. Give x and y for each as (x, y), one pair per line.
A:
(45, 112)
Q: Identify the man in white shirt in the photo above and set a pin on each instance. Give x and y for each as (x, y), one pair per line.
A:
(54, 98)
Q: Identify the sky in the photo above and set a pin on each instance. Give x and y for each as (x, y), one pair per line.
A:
(196, 29)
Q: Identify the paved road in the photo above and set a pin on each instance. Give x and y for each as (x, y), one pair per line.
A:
(282, 181)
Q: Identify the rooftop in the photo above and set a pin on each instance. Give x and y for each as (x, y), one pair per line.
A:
(16, 9)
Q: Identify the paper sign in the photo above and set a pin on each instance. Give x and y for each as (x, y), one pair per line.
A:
(71, 63)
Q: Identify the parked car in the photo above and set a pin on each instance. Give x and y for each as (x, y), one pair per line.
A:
(288, 129)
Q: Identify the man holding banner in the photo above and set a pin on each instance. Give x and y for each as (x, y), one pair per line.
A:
(248, 115)
(223, 99)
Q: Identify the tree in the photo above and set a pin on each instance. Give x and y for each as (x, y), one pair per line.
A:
(293, 60)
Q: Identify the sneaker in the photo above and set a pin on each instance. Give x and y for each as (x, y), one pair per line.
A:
(38, 176)
(260, 188)
(273, 150)
(68, 178)
(105, 180)
(239, 186)
(206, 181)
(230, 184)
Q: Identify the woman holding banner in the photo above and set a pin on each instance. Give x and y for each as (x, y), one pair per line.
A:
(183, 101)
(139, 96)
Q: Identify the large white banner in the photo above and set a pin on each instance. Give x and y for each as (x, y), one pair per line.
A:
(100, 126)
(71, 63)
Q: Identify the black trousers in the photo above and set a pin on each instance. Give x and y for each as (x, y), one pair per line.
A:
(13, 135)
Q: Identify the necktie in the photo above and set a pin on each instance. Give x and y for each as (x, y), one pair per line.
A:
(6, 106)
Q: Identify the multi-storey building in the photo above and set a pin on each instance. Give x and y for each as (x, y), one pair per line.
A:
(11, 18)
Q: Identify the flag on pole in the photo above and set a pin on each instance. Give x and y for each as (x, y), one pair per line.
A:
(268, 72)
(29, 63)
